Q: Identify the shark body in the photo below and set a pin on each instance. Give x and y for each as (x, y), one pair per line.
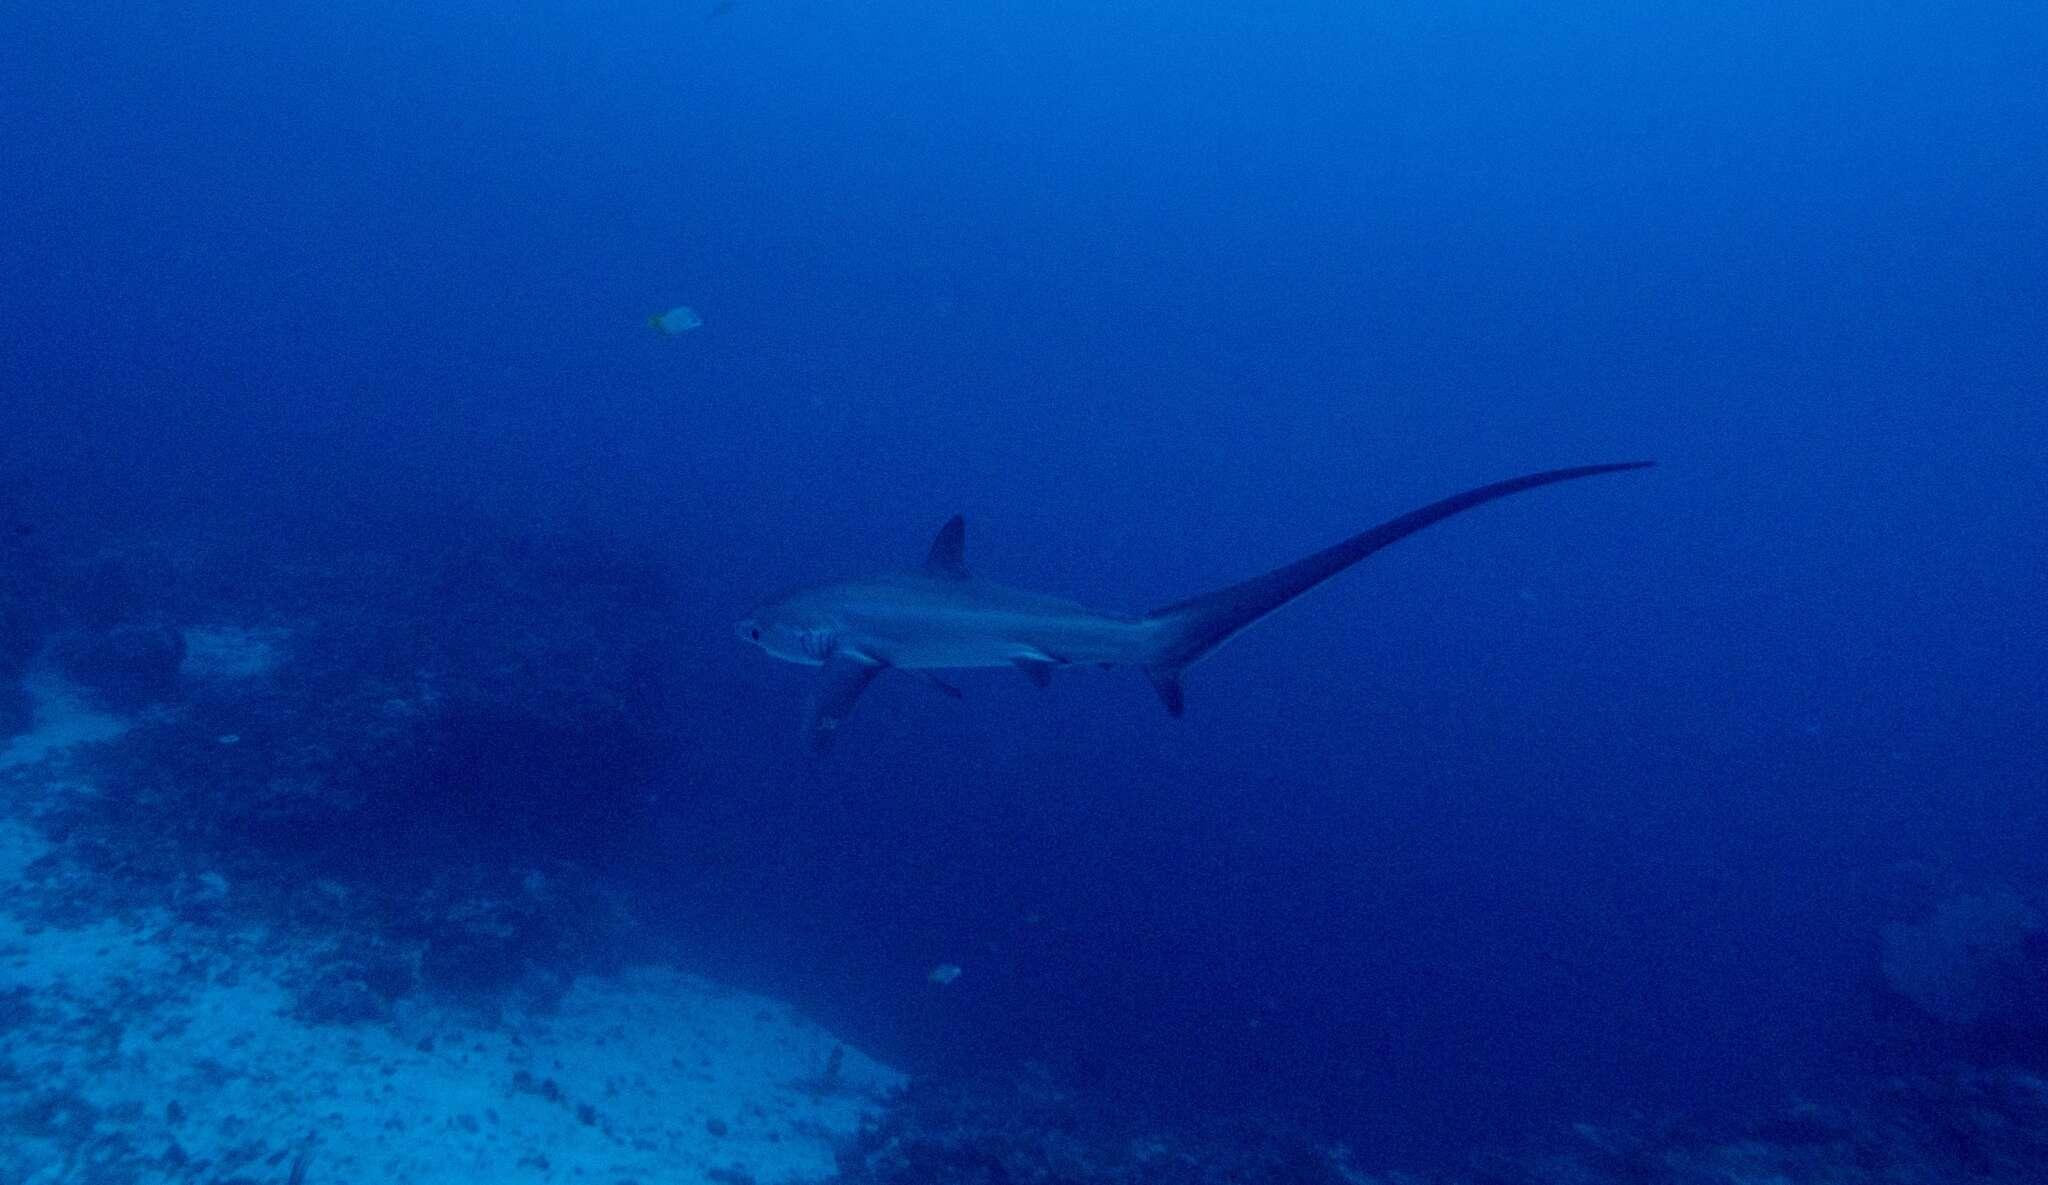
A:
(942, 616)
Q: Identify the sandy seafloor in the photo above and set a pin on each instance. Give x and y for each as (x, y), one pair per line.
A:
(142, 1048)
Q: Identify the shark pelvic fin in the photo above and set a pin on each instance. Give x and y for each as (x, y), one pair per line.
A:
(844, 676)
(1166, 681)
(949, 551)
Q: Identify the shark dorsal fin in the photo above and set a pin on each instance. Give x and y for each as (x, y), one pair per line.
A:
(949, 551)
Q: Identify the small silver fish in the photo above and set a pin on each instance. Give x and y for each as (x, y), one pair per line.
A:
(680, 319)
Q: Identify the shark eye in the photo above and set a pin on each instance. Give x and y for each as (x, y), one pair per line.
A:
(755, 633)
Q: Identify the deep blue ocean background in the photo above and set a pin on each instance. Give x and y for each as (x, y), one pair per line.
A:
(1588, 801)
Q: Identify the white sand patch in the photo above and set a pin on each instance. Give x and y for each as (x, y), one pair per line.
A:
(223, 653)
(186, 1058)
(62, 719)
(143, 1049)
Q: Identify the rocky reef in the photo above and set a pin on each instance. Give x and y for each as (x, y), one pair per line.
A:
(1975, 959)
(28, 607)
(1030, 1131)
(499, 694)
(1960, 1007)
(432, 746)
(1958, 1124)
(303, 878)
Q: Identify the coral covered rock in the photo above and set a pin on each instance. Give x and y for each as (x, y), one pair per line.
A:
(1978, 959)
(1031, 1133)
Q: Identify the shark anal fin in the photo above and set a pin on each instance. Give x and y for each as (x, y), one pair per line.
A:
(1038, 670)
(844, 676)
(944, 687)
(1166, 681)
(948, 556)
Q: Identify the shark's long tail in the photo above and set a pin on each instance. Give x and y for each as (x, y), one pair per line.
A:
(1186, 631)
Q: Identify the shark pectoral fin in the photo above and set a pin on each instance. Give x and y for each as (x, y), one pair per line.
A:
(1037, 670)
(1166, 681)
(844, 676)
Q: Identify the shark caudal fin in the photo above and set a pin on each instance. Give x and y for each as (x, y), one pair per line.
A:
(1186, 631)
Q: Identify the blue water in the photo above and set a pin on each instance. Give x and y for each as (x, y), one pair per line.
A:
(1582, 802)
